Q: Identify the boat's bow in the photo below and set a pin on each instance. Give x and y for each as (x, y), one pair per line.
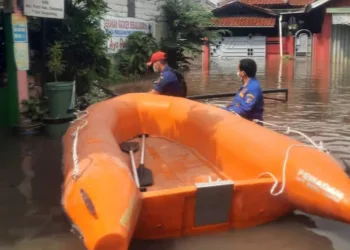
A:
(315, 183)
(99, 193)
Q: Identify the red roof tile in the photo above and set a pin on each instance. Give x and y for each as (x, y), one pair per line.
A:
(300, 2)
(245, 22)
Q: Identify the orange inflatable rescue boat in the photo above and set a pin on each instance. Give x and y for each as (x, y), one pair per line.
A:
(202, 169)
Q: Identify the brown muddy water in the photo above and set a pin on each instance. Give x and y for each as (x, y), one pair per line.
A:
(319, 105)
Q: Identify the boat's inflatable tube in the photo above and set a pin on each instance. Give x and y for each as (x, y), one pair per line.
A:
(312, 181)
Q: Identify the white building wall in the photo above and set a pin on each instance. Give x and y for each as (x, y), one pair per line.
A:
(118, 8)
(147, 10)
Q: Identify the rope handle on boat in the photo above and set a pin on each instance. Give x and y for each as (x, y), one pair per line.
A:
(81, 115)
(284, 167)
(289, 131)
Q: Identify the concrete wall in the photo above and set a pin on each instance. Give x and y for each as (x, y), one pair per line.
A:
(206, 3)
(144, 9)
(273, 45)
(322, 47)
(322, 41)
(147, 10)
(119, 8)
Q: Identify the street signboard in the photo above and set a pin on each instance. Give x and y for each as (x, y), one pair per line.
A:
(44, 8)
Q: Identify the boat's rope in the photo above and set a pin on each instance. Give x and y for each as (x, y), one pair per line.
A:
(288, 131)
(284, 167)
(81, 115)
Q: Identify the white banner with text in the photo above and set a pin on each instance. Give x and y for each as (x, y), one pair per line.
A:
(120, 28)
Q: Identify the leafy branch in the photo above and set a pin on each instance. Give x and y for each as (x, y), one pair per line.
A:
(189, 24)
(56, 64)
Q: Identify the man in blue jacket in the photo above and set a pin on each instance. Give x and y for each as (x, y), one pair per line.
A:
(249, 101)
(170, 81)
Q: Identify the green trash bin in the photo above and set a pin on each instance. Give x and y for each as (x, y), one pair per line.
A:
(57, 130)
(59, 96)
(57, 127)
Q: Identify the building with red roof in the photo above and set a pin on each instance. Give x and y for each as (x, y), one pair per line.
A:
(317, 28)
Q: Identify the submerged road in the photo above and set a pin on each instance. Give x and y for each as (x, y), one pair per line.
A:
(319, 105)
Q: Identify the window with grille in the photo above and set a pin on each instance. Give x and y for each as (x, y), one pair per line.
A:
(131, 8)
(250, 52)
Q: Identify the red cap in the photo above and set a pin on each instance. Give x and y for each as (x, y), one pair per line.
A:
(156, 56)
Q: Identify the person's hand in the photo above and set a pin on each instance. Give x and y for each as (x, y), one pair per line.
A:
(153, 91)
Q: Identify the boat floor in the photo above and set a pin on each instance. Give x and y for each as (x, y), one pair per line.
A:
(174, 165)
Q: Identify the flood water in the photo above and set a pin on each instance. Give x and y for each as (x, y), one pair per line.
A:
(319, 105)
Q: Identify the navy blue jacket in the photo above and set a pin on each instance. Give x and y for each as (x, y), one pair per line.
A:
(168, 83)
(249, 101)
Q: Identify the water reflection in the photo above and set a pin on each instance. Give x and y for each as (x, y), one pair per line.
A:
(30, 192)
(288, 233)
(30, 168)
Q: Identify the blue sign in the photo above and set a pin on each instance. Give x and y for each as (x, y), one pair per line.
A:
(20, 33)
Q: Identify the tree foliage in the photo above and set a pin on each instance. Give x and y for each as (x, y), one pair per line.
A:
(188, 22)
(82, 40)
(55, 64)
(188, 25)
(131, 60)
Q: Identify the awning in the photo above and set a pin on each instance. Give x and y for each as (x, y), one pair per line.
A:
(341, 19)
(316, 4)
(238, 3)
(295, 3)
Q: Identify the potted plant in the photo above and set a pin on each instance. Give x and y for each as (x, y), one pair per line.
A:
(59, 93)
(34, 109)
(56, 64)
(32, 114)
(293, 27)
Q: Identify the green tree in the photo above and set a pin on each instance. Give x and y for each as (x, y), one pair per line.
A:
(131, 60)
(188, 25)
(83, 42)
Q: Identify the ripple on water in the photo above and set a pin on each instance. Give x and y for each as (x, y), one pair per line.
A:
(318, 106)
